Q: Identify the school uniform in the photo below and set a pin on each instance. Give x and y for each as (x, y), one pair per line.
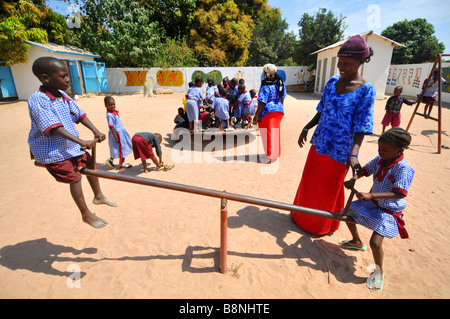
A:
(384, 216)
(211, 91)
(194, 100)
(246, 105)
(59, 155)
(124, 147)
(220, 107)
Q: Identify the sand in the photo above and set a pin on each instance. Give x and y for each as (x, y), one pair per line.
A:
(165, 244)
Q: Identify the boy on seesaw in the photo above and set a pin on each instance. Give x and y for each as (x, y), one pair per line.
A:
(54, 141)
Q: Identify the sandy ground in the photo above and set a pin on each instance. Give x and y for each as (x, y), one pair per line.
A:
(165, 244)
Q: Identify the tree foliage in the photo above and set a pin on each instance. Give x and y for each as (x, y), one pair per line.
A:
(28, 20)
(317, 32)
(270, 42)
(418, 37)
(220, 33)
(175, 53)
(121, 32)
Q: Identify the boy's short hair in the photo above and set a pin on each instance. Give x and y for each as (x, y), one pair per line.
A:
(198, 79)
(108, 99)
(45, 65)
(399, 87)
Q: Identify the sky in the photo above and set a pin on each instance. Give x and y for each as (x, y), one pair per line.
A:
(361, 16)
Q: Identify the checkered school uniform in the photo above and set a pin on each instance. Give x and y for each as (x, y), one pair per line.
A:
(384, 216)
(48, 112)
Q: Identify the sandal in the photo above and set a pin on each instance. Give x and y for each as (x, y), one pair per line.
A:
(345, 243)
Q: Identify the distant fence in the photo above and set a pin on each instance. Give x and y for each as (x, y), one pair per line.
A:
(132, 80)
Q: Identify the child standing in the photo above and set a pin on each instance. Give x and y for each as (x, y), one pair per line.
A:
(393, 107)
(54, 141)
(220, 107)
(119, 140)
(194, 100)
(246, 105)
(381, 208)
(211, 91)
(432, 87)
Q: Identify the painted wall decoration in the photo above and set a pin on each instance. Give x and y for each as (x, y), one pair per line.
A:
(169, 78)
(215, 74)
(135, 78)
(412, 77)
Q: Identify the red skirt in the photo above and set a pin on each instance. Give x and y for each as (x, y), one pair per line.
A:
(321, 187)
(141, 148)
(269, 128)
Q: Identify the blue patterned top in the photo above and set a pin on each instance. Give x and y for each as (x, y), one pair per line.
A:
(268, 94)
(341, 117)
(384, 215)
(48, 112)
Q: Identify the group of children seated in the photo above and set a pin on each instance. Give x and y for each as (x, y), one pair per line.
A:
(226, 106)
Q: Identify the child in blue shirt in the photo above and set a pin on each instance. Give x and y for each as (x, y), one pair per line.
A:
(53, 139)
(194, 100)
(221, 106)
(211, 91)
(382, 208)
(120, 145)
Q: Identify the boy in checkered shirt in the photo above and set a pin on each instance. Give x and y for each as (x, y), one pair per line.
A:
(54, 141)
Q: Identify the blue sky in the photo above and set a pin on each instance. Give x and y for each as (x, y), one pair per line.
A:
(361, 16)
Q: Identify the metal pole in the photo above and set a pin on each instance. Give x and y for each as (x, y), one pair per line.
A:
(223, 235)
(215, 193)
(439, 103)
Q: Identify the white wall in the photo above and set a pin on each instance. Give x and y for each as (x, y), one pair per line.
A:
(24, 79)
(252, 75)
(376, 71)
(412, 77)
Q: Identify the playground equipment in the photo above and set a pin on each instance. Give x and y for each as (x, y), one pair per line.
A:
(438, 61)
(222, 195)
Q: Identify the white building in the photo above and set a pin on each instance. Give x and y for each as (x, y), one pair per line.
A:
(376, 71)
(86, 74)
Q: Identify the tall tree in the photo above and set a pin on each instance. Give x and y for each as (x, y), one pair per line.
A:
(220, 33)
(174, 16)
(120, 32)
(270, 43)
(418, 37)
(28, 20)
(317, 32)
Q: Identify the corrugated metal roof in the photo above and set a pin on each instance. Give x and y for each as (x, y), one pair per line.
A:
(63, 49)
(337, 44)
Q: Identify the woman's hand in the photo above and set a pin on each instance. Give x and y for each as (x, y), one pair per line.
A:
(302, 137)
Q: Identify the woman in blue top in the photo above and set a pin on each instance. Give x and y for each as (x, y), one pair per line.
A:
(344, 115)
(270, 110)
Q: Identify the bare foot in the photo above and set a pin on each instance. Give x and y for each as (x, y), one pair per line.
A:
(104, 200)
(94, 221)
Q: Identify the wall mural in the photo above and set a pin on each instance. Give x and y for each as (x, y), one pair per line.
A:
(216, 75)
(135, 78)
(169, 78)
(411, 76)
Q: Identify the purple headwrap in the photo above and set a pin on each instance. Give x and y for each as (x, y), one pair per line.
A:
(355, 47)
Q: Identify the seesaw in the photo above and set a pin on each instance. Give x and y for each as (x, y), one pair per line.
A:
(222, 195)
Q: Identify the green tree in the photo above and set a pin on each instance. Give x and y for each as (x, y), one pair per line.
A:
(174, 16)
(317, 32)
(418, 37)
(270, 43)
(28, 20)
(119, 31)
(220, 33)
(175, 53)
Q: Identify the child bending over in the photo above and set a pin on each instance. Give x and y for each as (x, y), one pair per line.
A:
(381, 208)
